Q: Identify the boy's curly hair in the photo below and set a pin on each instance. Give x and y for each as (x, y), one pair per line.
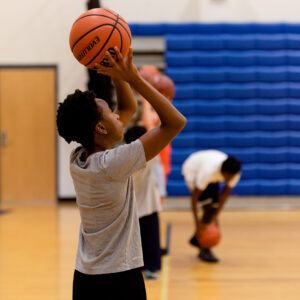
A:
(231, 165)
(77, 117)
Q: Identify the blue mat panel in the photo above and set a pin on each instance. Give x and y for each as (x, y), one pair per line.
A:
(234, 74)
(256, 171)
(237, 91)
(244, 123)
(238, 86)
(212, 140)
(247, 187)
(232, 58)
(247, 155)
(290, 107)
(204, 42)
(161, 29)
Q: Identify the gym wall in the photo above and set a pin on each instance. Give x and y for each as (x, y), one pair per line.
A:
(35, 32)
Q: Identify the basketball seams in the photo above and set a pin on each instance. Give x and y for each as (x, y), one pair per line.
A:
(129, 35)
(113, 13)
(107, 10)
(124, 27)
(120, 18)
(92, 15)
(107, 40)
(89, 33)
(121, 38)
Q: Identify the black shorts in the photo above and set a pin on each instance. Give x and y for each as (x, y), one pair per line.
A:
(149, 227)
(210, 208)
(128, 285)
(211, 192)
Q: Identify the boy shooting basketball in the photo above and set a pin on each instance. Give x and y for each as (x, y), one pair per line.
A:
(109, 254)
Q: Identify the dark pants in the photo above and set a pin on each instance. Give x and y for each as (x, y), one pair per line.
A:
(149, 226)
(128, 285)
(210, 209)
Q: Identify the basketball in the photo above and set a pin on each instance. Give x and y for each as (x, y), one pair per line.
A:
(209, 236)
(164, 85)
(148, 72)
(96, 31)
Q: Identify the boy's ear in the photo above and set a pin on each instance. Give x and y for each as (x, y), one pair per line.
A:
(100, 128)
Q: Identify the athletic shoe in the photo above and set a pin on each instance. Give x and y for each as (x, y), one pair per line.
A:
(164, 251)
(194, 242)
(207, 256)
(151, 275)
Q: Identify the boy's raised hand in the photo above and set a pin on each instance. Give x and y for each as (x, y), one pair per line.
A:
(117, 67)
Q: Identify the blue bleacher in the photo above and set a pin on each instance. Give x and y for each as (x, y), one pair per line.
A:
(234, 74)
(239, 87)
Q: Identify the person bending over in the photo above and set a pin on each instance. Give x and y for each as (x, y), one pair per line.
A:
(203, 171)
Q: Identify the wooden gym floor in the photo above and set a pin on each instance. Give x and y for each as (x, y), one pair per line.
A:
(259, 253)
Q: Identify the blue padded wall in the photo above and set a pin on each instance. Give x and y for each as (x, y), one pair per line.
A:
(239, 87)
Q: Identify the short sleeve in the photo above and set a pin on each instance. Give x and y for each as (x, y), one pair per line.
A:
(233, 182)
(123, 161)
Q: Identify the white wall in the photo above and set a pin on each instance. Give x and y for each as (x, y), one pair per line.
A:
(207, 10)
(36, 32)
(249, 10)
(156, 10)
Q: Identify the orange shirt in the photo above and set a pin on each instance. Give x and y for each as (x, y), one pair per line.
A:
(165, 157)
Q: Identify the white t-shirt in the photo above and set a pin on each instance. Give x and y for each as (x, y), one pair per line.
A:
(109, 235)
(147, 189)
(160, 178)
(204, 167)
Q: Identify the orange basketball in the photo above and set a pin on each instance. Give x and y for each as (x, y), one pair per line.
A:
(209, 236)
(148, 72)
(96, 31)
(149, 69)
(164, 85)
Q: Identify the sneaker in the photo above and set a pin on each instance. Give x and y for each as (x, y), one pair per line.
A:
(164, 251)
(207, 256)
(194, 242)
(151, 275)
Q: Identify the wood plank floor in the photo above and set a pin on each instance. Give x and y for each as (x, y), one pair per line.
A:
(259, 253)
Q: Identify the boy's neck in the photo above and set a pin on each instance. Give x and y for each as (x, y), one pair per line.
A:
(99, 148)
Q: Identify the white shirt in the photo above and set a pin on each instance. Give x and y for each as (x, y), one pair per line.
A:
(147, 189)
(204, 167)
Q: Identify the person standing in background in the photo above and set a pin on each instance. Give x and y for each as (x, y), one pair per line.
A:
(149, 119)
(147, 192)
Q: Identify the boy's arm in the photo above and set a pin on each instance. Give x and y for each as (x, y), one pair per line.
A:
(223, 198)
(195, 197)
(149, 116)
(172, 121)
(126, 103)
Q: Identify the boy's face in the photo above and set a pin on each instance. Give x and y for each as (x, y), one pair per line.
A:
(110, 121)
(227, 176)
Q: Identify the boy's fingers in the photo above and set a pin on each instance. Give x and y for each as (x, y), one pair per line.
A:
(129, 56)
(101, 72)
(118, 53)
(110, 58)
(101, 69)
